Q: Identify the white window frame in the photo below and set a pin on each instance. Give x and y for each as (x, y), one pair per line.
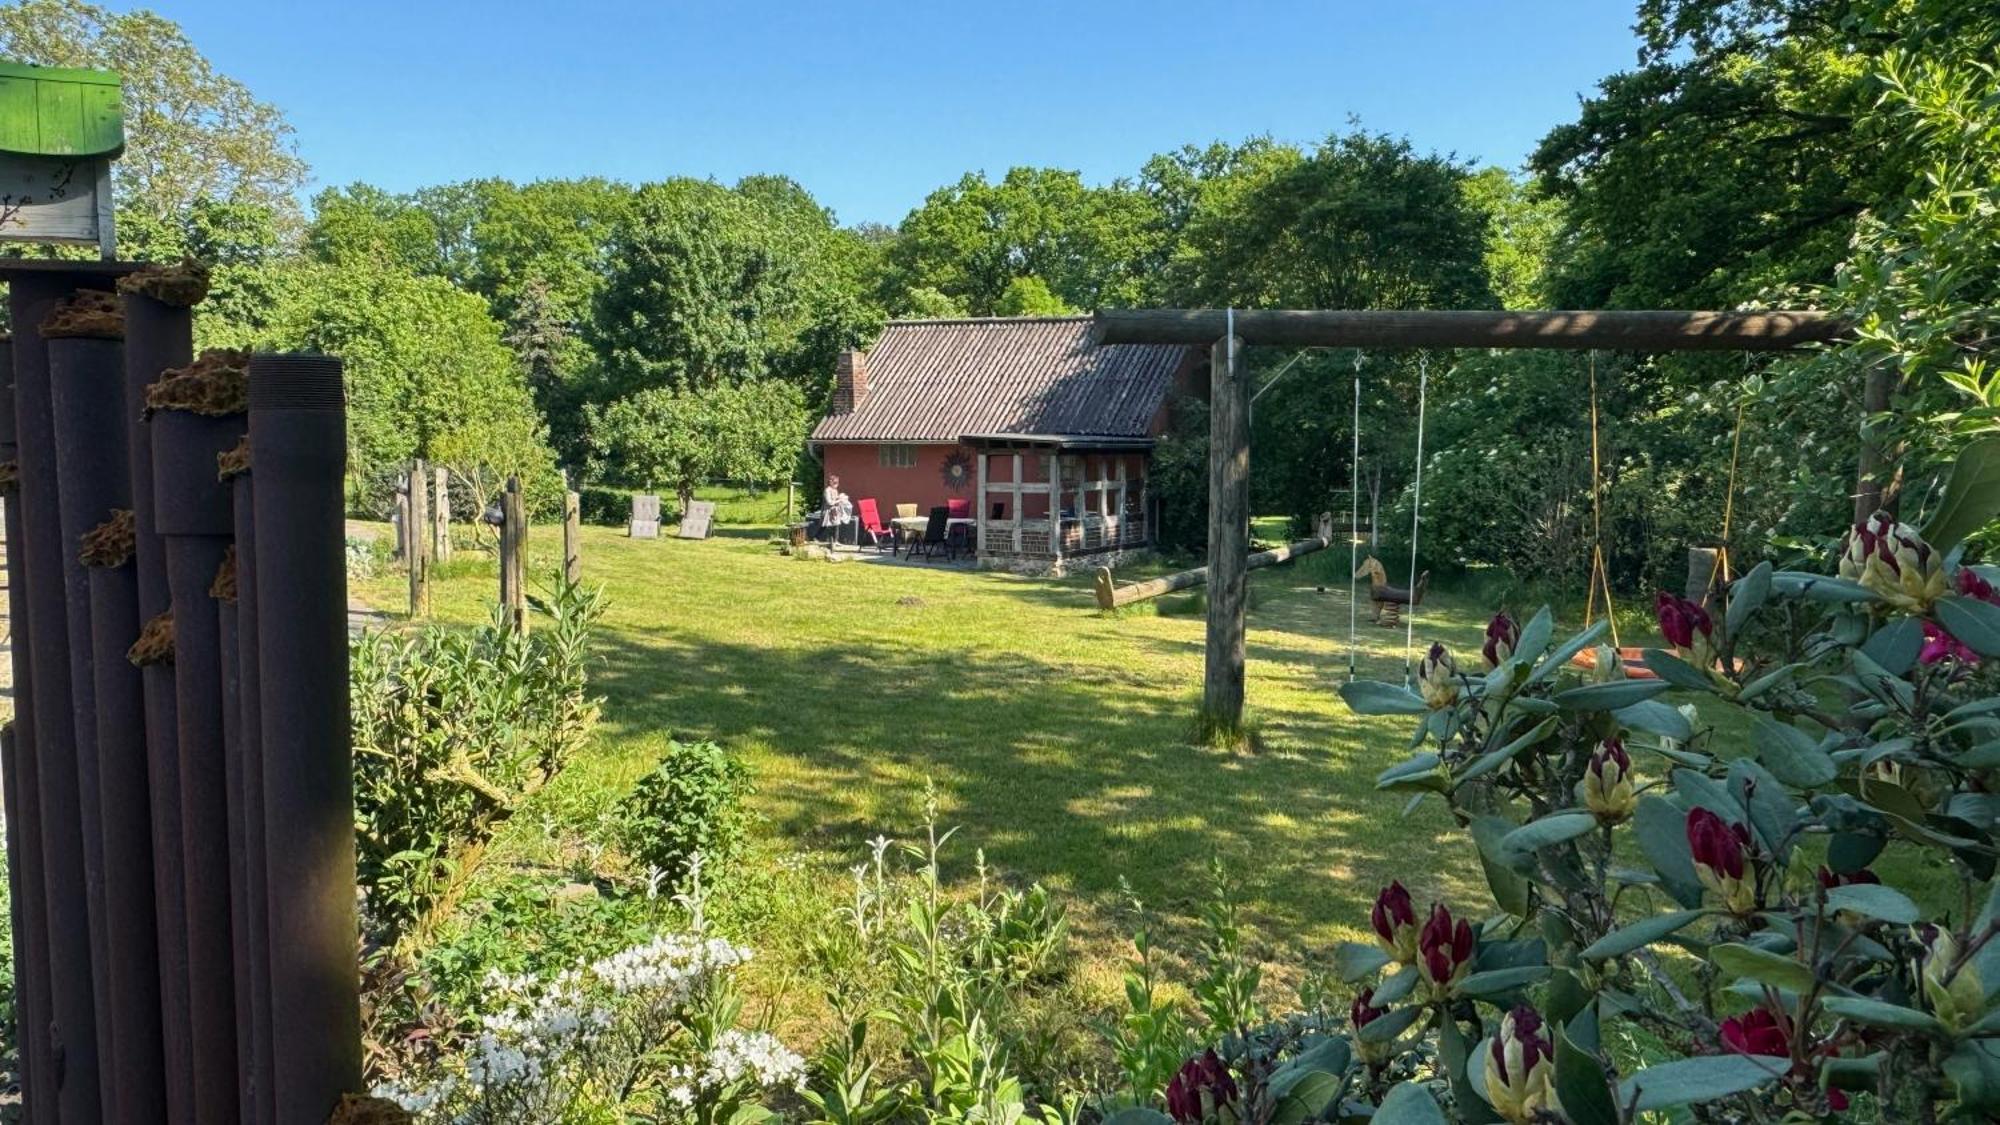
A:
(895, 455)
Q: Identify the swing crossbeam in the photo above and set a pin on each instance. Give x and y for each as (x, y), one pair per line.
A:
(1649, 330)
(1227, 331)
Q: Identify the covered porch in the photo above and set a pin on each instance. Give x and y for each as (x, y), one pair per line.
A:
(1046, 500)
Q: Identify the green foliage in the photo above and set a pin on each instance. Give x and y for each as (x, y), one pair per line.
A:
(707, 285)
(452, 729)
(194, 136)
(679, 439)
(690, 806)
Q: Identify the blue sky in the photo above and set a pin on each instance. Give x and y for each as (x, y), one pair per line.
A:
(872, 105)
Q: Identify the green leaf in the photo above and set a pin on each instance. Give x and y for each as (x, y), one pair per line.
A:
(1305, 1097)
(1580, 1083)
(1974, 1070)
(1876, 1013)
(1536, 633)
(1984, 756)
(1655, 717)
(1661, 828)
(1975, 622)
(1420, 771)
(1609, 696)
(1761, 965)
(1510, 890)
(1383, 1028)
(1455, 1052)
(1560, 658)
(1520, 845)
(1499, 982)
(1747, 597)
(1395, 986)
(1353, 960)
(1896, 644)
(1792, 755)
(1873, 900)
(1409, 1104)
(1820, 587)
(1494, 759)
(1639, 934)
(1697, 1080)
(1847, 852)
(1675, 671)
(1367, 697)
(1971, 495)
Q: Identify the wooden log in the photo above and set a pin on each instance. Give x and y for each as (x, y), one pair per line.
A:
(418, 539)
(572, 538)
(1110, 595)
(1638, 330)
(1228, 535)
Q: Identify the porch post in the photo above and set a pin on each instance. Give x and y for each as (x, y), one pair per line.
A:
(1055, 504)
(1017, 502)
(981, 513)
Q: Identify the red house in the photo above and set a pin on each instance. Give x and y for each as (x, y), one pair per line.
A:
(1048, 436)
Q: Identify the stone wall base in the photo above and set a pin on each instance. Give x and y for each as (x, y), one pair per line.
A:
(1048, 566)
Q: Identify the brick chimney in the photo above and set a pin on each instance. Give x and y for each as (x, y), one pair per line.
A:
(850, 381)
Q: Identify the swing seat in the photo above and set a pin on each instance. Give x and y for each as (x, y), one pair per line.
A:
(1632, 658)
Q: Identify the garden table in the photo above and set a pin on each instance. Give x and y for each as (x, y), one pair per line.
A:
(910, 528)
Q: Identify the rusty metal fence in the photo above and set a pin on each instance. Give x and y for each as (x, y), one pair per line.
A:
(177, 772)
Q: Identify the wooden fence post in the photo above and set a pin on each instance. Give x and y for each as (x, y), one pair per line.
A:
(441, 515)
(418, 537)
(572, 538)
(1228, 506)
(513, 545)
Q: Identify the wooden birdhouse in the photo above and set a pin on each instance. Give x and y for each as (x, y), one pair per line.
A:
(60, 129)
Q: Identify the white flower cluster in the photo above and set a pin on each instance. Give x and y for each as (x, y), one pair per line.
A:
(673, 964)
(756, 1055)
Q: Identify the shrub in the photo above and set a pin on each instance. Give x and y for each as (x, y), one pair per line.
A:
(691, 805)
(1797, 863)
(452, 730)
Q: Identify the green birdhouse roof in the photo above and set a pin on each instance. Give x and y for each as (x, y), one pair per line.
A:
(56, 111)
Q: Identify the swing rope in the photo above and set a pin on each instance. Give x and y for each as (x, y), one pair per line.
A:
(1600, 578)
(1416, 515)
(1354, 522)
(1720, 566)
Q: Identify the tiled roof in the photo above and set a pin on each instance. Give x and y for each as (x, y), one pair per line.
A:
(940, 380)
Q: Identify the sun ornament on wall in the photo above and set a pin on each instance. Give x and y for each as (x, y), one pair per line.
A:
(957, 470)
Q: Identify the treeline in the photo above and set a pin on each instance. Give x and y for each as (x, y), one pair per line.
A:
(1830, 152)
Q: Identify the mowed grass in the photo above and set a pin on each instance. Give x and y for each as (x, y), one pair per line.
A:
(1057, 737)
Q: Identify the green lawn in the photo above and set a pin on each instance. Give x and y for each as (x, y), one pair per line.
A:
(1056, 736)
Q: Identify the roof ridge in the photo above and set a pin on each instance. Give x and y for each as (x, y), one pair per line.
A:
(1066, 318)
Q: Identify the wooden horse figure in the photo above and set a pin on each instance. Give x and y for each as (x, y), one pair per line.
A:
(1390, 600)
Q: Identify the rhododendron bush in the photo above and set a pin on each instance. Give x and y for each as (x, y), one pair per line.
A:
(1763, 854)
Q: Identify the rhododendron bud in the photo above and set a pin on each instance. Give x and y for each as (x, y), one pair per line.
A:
(1364, 1012)
(1721, 859)
(1521, 1072)
(1972, 584)
(1203, 1090)
(1940, 646)
(1958, 998)
(1756, 1032)
(1437, 678)
(1606, 664)
(1444, 951)
(1682, 621)
(1894, 562)
(1395, 922)
(1502, 635)
(1607, 783)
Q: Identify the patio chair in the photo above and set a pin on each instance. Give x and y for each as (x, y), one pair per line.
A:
(869, 517)
(905, 511)
(936, 535)
(958, 509)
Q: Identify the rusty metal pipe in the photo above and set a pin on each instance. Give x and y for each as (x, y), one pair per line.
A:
(299, 434)
(159, 336)
(73, 1034)
(23, 794)
(191, 511)
(87, 381)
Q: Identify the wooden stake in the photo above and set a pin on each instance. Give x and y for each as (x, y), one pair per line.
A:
(513, 567)
(572, 538)
(418, 537)
(441, 516)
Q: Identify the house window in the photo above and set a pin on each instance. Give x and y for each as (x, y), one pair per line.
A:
(896, 456)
